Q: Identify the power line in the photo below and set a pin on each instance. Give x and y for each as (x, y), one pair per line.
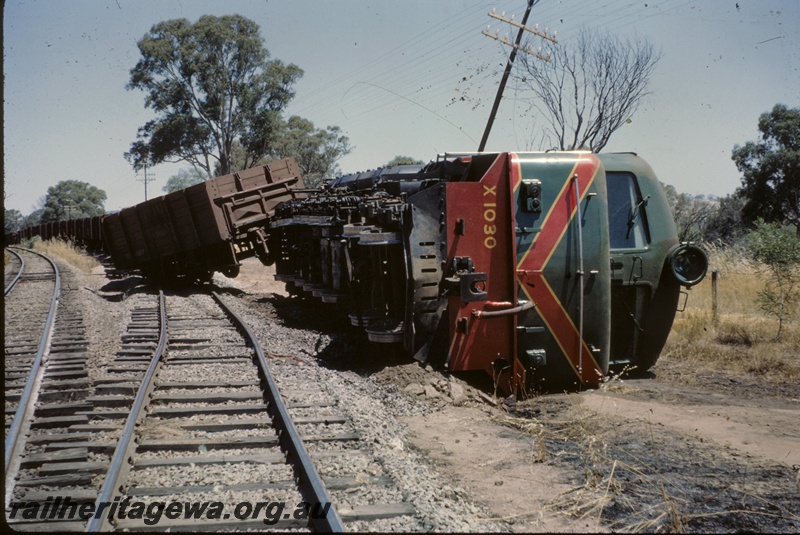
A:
(415, 73)
(417, 40)
(416, 59)
(514, 47)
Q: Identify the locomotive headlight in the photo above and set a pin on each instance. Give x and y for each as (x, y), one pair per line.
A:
(689, 263)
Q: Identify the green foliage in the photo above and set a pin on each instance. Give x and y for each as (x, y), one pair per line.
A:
(32, 219)
(778, 249)
(13, 219)
(316, 150)
(239, 160)
(699, 218)
(725, 225)
(689, 212)
(183, 179)
(403, 160)
(770, 168)
(72, 199)
(210, 83)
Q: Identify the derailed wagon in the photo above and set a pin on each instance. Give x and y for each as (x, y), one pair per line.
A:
(208, 227)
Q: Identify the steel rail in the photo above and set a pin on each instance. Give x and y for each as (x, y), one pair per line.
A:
(126, 445)
(19, 274)
(24, 415)
(310, 481)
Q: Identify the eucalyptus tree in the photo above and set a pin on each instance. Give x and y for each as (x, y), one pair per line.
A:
(210, 83)
(316, 150)
(72, 199)
(770, 169)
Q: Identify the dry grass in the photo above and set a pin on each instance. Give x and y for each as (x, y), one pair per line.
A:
(629, 480)
(608, 482)
(68, 252)
(743, 338)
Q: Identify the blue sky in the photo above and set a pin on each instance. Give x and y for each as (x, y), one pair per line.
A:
(406, 77)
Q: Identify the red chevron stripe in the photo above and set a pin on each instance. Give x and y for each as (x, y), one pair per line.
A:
(530, 270)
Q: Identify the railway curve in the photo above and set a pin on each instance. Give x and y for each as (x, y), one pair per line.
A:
(30, 322)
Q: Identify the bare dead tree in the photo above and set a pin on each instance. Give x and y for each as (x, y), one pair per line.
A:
(590, 88)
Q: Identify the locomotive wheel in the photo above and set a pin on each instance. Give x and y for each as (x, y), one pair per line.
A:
(266, 259)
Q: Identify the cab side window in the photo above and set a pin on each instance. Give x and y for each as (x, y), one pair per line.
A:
(627, 224)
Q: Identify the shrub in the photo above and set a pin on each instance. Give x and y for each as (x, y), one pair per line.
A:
(777, 248)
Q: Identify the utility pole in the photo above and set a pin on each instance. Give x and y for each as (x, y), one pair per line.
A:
(146, 179)
(69, 205)
(514, 47)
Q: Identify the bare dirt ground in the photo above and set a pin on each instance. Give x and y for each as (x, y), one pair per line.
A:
(677, 451)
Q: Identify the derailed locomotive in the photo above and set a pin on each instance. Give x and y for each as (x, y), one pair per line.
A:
(544, 270)
(541, 269)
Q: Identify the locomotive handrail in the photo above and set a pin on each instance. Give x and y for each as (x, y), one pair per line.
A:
(479, 314)
(580, 271)
(24, 414)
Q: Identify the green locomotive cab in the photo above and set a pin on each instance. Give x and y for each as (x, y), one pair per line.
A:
(648, 264)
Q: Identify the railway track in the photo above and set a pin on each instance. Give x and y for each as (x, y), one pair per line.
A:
(13, 269)
(180, 419)
(45, 373)
(30, 313)
(212, 436)
(372, 491)
(205, 437)
(30, 300)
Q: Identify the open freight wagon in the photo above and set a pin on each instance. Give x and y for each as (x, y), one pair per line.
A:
(207, 227)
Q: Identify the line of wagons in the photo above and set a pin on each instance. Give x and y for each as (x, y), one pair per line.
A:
(187, 233)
